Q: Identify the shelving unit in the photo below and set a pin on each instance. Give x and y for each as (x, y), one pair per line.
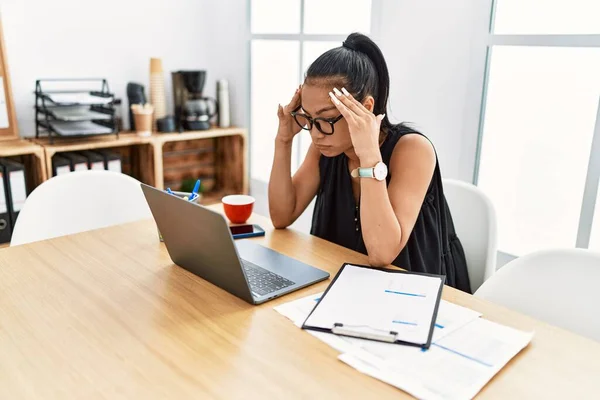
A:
(217, 156)
(129, 145)
(31, 155)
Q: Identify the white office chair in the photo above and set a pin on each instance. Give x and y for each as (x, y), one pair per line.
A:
(557, 286)
(77, 202)
(474, 219)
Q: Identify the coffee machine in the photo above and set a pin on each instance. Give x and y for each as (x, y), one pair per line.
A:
(192, 110)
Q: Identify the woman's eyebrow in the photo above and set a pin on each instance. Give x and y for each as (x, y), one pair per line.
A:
(321, 111)
(328, 108)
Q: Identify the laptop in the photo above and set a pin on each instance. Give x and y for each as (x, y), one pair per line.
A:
(199, 240)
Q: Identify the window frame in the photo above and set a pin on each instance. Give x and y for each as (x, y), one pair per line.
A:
(301, 38)
(592, 180)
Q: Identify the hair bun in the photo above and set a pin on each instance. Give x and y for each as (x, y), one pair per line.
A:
(348, 45)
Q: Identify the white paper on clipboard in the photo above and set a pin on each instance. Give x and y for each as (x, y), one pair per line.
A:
(4, 123)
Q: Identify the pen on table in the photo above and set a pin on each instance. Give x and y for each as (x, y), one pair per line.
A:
(169, 191)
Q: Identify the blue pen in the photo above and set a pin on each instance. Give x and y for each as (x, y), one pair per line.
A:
(196, 188)
(194, 194)
(169, 191)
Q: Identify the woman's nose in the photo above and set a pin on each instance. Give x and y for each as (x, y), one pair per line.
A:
(315, 133)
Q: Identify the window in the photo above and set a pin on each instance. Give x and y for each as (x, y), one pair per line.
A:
(540, 122)
(287, 36)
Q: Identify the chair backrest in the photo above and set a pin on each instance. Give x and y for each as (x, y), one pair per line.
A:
(474, 219)
(557, 286)
(77, 202)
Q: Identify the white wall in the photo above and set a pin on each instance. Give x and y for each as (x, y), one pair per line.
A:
(435, 51)
(115, 40)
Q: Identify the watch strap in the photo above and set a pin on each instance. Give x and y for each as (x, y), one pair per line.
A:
(363, 172)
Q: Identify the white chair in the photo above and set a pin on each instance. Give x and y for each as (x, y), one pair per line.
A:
(557, 286)
(474, 219)
(77, 202)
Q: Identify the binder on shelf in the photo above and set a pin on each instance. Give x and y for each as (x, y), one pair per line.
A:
(112, 160)
(16, 188)
(95, 160)
(60, 165)
(78, 162)
(379, 304)
(5, 227)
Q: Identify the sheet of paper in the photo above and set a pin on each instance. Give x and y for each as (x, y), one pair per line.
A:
(452, 317)
(79, 128)
(298, 310)
(467, 352)
(372, 300)
(449, 318)
(78, 113)
(78, 98)
(456, 367)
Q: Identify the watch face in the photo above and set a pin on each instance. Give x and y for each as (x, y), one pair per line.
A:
(380, 171)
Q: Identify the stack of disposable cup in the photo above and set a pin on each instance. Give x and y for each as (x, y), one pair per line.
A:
(157, 88)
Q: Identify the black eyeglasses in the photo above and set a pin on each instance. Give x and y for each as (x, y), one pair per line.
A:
(324, 125)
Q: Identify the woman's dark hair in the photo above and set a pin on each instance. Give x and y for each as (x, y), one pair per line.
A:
(359, 66)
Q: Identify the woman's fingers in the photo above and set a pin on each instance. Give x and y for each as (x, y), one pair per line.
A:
(345, 111)
(295, 102)
(348, 100)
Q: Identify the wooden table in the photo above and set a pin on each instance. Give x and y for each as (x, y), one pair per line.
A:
(105, 314)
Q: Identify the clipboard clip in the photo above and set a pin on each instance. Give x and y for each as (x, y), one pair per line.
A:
(340, 329)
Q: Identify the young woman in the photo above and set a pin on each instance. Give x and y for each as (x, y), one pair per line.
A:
(378, 185)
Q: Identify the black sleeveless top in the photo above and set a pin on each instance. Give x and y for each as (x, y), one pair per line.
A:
(432, 247)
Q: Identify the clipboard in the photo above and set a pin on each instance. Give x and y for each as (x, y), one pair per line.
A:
(379, 291)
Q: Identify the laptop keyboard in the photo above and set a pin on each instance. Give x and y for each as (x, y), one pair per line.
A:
(263, 281)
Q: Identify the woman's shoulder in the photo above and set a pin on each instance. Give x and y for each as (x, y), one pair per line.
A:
(413, 150)
(403, 137)
(404, 128)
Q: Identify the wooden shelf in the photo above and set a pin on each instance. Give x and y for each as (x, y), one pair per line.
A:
(217, 155)
(31, 155)
(193, 135)
(18, 147)
(91, 143)
(225, 169)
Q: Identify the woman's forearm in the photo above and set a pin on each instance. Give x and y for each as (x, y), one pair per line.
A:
(381, 230)
(282, 195)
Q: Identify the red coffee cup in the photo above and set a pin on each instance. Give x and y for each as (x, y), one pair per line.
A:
(238, 207)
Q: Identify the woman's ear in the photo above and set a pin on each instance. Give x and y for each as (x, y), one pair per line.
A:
(369, 103)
